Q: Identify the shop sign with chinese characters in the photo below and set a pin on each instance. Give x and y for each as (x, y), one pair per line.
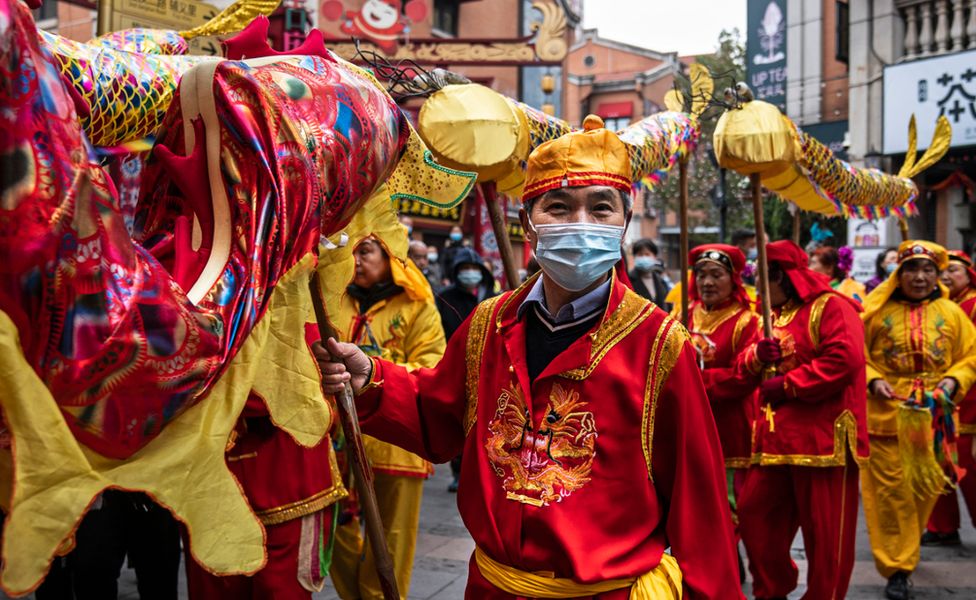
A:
(929, 88)
(170, 14)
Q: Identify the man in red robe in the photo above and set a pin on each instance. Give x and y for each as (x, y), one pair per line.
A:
(943, 526)
(588, 440)
(811, 433)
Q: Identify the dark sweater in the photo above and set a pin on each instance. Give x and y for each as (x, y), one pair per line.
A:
(545, 341)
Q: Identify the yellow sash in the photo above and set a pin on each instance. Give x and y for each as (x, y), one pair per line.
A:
(662, 583)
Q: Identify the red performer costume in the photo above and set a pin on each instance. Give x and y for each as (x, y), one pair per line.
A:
(293, 491)
(550, 519)
(945, 519)
(720, 333)
(810, 435)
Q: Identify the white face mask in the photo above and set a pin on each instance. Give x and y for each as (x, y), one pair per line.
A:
(574, 255)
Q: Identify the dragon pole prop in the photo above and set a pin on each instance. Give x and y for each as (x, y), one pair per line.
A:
(753, 137)
(500, 228)
(683, 215)
(362, 474)
(763, 266)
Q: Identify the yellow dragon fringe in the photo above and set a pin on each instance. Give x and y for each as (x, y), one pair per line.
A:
(756, 138)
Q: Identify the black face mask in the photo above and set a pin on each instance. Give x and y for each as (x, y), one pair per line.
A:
(901, 297)
(367, 297)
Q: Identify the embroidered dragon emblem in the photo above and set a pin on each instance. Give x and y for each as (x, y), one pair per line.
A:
(542, 464)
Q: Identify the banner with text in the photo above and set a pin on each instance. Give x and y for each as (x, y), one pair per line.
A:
(766, 50)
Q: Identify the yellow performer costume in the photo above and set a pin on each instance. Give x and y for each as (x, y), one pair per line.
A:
(850, 287)
(406, 329)
(905, 341)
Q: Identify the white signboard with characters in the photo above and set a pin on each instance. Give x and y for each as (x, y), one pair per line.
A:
(867, 239)
(929, 88)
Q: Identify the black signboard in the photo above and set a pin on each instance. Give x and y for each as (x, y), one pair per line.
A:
(766, 50)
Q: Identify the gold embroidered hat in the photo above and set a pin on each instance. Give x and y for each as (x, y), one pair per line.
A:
(912, 249)
(594, 156)
(907, 250)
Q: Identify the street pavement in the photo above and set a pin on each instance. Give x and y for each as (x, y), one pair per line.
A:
(443, 549)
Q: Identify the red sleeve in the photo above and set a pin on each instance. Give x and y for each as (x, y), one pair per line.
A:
(731, 384)
(420, 411)
(839, 356)
(689, 476)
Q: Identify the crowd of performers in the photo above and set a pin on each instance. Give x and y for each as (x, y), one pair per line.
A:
(562, 392)
(608, 450)
(574, 392)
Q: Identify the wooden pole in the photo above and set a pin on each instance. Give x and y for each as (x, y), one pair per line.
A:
(103, 23)
(499, 224)
(683, 241)
(763, 265)
(362, 474)
(903, 227)
(796, 225)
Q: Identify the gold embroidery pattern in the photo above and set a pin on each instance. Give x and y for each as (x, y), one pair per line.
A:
(314, 503)
(787, 313)
(630, 313)
(967, 429)
(738, 463)
(474, 348)
(845, 437)
(816, 314)
(671, 337)
(707, 321)
(539, 466)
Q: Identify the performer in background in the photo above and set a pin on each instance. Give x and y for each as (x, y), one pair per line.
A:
(836, 265)
(589, 445)
(388, 311)
(293, 490)
(917, 341)
(943, 527)
(471, 283)
(810, 434)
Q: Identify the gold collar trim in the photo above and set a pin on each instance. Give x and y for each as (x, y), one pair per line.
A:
(630, 313)
(707, 321)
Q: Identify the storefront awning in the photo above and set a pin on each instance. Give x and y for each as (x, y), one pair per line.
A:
(613, 110)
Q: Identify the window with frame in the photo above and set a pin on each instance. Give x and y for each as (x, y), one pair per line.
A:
(47, 14)
(446, 13)
(616, 123)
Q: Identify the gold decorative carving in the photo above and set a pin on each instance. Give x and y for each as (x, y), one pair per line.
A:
(550, 42)
(548, 47)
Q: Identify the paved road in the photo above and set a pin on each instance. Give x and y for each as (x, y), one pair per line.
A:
(443, 548)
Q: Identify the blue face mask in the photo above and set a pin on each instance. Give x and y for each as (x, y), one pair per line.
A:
(643, 263)
(455, 237)
(752, 254)
(574, 255)
(891, 268)
(469, 278)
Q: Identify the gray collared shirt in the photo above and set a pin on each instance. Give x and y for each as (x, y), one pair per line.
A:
(584, 305)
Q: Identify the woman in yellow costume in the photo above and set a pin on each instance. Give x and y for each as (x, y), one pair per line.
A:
(388, 310)
(917, 341)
